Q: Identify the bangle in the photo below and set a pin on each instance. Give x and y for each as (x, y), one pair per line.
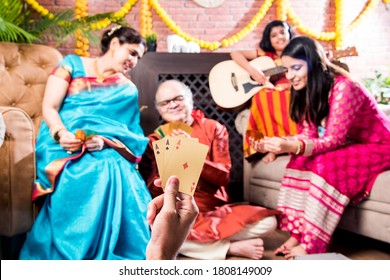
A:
(303, 146)
(55, 130)
(299, 147)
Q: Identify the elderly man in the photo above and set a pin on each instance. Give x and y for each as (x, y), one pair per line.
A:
(221, 228)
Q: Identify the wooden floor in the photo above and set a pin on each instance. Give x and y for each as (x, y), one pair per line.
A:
(350, 245)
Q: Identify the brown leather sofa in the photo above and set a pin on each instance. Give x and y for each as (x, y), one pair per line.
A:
(370, 217)
(24, 69)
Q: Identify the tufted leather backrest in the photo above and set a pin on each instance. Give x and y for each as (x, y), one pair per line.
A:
(24, 69)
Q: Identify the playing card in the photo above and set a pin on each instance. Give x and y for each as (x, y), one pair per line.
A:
(158, 148)
(159, 132)
(255, 134)
(180, 125)
(167, 129)
(169, 148)
(84, 134)
(187, 162)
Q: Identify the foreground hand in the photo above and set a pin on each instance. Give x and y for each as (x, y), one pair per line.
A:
(171, 216)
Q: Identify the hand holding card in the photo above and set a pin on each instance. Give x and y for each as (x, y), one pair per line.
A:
(183, 157)
(84, 134)
(255, 134)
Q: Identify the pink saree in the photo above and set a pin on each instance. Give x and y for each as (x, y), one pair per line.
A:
(338, 168)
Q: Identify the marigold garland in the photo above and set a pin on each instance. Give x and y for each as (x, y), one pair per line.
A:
(82, 43)
(81, 10)
(146, 24)
(207, 44)
(39, 9)
(339, 24)
(283, 11)
(363, 14)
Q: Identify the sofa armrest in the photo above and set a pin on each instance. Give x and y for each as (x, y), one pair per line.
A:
(17, 172)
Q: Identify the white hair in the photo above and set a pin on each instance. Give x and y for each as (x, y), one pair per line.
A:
(183, 89)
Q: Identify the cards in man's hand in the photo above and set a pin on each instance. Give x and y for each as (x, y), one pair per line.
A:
(181, 156)
(167, 129)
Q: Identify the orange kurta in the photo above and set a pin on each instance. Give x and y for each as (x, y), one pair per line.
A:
(219, 218)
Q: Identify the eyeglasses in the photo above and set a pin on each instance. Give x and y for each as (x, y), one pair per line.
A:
(176, 99)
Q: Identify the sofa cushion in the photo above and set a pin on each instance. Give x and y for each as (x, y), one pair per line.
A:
(24, 69)
(381, 189)
(272, 171)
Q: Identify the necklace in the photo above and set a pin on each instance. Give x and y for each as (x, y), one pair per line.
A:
(99, 76)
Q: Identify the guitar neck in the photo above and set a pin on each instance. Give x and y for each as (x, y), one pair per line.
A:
(274, 71)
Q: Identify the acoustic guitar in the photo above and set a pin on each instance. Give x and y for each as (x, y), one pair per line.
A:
(231, 86)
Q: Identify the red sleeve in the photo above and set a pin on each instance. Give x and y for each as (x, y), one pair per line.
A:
(216, 169)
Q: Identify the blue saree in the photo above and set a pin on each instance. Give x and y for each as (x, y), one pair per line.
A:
(96, 202)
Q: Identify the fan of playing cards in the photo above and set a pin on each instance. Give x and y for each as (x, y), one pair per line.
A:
(181, 156)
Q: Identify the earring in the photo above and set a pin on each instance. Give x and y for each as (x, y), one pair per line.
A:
(112, 53)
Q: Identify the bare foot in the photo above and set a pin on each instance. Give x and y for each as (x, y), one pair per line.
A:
(250, 248)
(296, 251)
(269, 157)
(286, 246)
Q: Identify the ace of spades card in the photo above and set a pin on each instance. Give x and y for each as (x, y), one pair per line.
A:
(183, 157)
(162, 149)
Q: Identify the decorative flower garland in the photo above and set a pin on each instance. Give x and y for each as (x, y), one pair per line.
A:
(323, 36)
(146, 24)
(212, 45)
(82, 43)
(339, 24)
(340, 30)
(283, 11)
(39, 9)
(363, 14)
(81, 10)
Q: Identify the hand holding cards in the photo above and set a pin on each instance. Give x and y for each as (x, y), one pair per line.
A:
(181, 156)
(255, 134)
(84, 134)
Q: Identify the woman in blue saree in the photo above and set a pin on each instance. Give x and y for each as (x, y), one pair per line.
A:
(88, 146)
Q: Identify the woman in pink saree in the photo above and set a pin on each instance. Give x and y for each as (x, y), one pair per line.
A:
(337, 154)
